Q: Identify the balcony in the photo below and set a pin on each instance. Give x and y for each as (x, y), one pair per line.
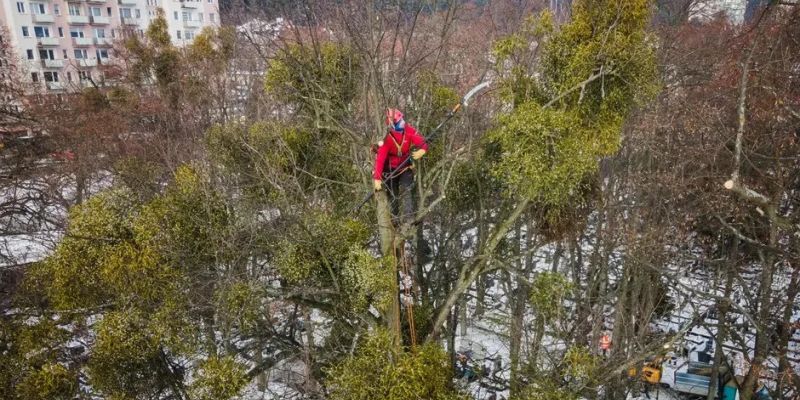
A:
(128, 21)
(127, 2)
(55, 85)
(96, 1)
(48, 63)
(78, 19)
(87, 62)
(82, 41)
(102, 41)
(47, 41)
(43, 18)
(191, 23)
(190, 4)
(99, 20)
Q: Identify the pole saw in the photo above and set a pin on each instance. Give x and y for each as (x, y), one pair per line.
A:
(400, 168)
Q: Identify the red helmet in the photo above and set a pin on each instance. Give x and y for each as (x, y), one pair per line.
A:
(393, 116)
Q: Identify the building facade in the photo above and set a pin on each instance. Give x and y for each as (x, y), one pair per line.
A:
(62, 44)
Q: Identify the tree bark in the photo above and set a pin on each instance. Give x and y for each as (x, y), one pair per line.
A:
(723, 306)
(387, 241)
(785, 371)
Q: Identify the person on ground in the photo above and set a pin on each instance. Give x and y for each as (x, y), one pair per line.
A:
(398, 177)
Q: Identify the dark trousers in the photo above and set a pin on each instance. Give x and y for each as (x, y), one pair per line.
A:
(401, 196)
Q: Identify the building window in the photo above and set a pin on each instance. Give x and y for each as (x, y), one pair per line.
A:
(47, 55)
(210, 1)
(74, 10)
(138, 13)
(21, 7)
(80, 54)
(65, 54)
(187, 16)
(34, 77)
(102, 54)
(99, 33)
(82, 75)
(39, 8)
(30, 54)
(179, 34)
(108, 9)
(212, 17)
(50, 76)
(200, 17)
(56, 9)
(60, 32)
(96, 12)
(25, 32)
(125, 12)
(176, 15)
(41, 31)
(69, 76)
(75, 32)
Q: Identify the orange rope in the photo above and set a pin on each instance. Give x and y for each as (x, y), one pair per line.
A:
(410, 306)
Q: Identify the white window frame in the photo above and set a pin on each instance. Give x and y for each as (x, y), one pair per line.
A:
(53, 76)
(48, 54)
(45, 31)
(38, 8)
(21, 7)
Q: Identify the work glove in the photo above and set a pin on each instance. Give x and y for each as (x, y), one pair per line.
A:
(376, 183)
(417, 154)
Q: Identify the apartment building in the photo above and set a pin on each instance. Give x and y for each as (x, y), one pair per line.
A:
(62, 44)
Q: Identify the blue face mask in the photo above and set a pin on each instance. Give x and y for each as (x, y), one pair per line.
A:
(399, 125)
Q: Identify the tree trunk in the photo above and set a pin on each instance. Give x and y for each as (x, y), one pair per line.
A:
(785, 371)
(722, 323)
(309, 386)
(763, 333)
(518, 305)
(387, 240)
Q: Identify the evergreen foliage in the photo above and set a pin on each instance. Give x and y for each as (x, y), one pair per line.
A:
(379, 371)
(569, 114)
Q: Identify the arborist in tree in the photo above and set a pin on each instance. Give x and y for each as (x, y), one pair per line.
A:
(389, 165)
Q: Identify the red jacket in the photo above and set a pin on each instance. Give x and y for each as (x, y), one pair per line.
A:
(397, 147)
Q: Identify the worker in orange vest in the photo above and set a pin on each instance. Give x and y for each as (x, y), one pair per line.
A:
(605, 343)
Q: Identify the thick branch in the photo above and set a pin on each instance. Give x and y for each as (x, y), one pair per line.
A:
(471, 270)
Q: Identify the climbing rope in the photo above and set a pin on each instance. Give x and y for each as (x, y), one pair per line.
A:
(412, 330)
